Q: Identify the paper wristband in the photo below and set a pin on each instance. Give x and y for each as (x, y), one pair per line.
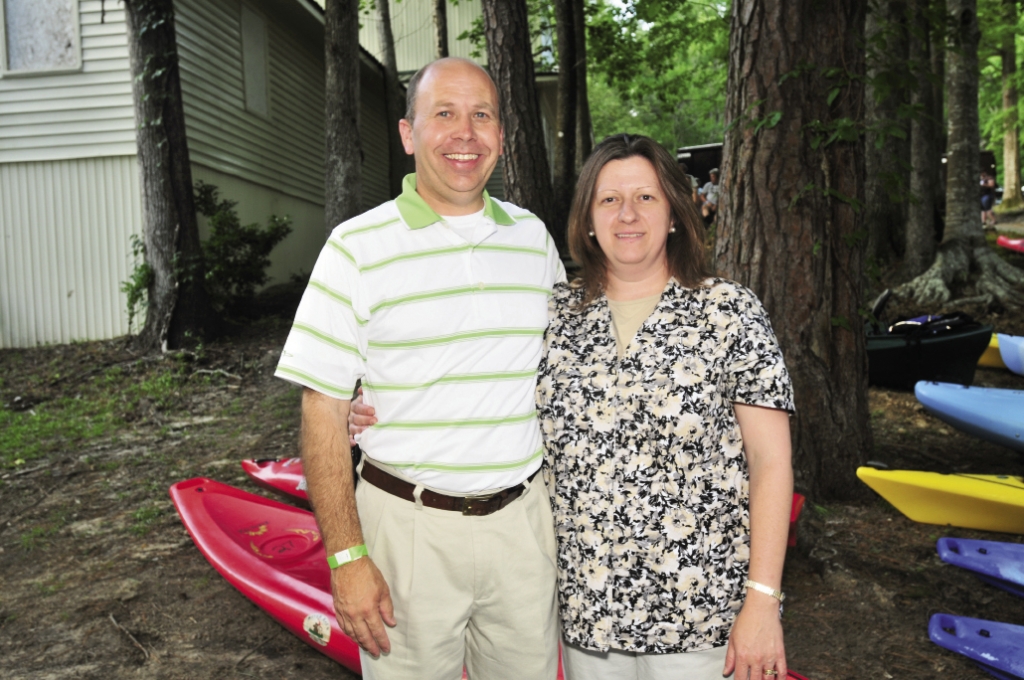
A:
(346, 556)
(761, 588)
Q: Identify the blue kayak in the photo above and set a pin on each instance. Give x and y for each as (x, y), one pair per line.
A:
(997, 648)
(990, 413)
(1000, 564)
(1011, 349)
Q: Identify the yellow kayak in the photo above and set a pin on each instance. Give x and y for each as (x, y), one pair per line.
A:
(991, 357)
(986, 502)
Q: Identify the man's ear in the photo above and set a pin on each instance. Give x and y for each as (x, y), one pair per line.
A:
(405, 130)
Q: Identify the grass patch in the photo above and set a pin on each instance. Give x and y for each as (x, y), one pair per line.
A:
(144, 518)
(38, 534)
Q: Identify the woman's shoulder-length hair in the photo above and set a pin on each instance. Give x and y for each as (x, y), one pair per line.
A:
(685, 249)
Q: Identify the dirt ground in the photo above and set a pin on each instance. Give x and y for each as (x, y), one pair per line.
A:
(98, 578)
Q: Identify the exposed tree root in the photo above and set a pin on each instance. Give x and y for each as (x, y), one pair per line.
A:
(958, 263)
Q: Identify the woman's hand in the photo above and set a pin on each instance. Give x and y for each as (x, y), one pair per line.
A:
(360, 417)
(755, 643)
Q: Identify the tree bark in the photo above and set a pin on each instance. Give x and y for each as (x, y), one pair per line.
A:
(887, 156)
(441, 28)
(178, 311)
(343, 152)
(584, 126)
(510, 59)
(566, 120)
(1012, 201)
(788, 227)
(963, 250)
(392, 99)
(925, 160)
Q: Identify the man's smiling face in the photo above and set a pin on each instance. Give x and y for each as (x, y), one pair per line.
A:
(456, 136)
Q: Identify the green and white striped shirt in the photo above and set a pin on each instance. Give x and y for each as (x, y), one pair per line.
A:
(445, 334)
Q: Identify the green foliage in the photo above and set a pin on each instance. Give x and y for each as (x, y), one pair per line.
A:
(236, 255)
(139, 281)
(678, 96)
(541, 14)
(995, 26)
(144, 518)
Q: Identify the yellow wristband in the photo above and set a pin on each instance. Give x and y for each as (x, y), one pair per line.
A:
(761, 588)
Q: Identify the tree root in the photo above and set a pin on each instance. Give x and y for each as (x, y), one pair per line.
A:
(962, 262)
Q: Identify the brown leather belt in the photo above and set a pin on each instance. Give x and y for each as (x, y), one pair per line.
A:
(468, 505)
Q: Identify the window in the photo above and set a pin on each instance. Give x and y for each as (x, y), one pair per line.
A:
(254, 62)
(40, 36)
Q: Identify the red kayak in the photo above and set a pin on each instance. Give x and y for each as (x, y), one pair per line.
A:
(272, 553)
(1016, 244)
(285, 476)
(279, 475)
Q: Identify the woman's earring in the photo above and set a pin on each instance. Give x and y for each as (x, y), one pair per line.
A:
(591, 234)
(671, 230)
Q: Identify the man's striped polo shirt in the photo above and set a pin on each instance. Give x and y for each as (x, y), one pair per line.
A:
(445, 334)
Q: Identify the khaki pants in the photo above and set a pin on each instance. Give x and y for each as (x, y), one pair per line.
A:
(584, 664)
(478, 591)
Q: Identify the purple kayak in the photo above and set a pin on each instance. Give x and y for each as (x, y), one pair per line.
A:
(997, 648)
(994, 562)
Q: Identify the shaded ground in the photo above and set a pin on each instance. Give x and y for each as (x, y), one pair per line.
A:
(98, 579)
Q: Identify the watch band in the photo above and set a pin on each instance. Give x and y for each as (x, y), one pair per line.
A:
(345, 556)
(761, 588)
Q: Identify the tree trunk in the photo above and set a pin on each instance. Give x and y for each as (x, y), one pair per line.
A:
(343, 152)
(510, 58)
(178, 311)
(584, 127)
(566, 118)
(441, 27)
(963, 250)
(924, 154)
(937, 43)
(1012, 201)
(887, 155)
(392, 99)
(788, 227)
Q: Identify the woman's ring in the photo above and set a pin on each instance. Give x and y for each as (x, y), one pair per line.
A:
(771, 671)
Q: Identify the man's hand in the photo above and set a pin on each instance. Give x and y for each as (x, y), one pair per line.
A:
(362, 603)
(360, 417)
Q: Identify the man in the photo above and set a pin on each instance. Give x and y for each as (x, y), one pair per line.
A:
(709, 193)
(437, 301)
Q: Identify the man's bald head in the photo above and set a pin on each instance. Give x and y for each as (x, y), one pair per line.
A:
(414, 83)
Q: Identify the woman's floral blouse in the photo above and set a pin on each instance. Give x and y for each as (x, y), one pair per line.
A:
(649, 478)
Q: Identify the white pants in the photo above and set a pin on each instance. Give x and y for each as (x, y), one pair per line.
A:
(584, 664)
(478, 591)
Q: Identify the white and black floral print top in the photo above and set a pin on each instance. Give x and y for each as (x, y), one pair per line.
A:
(649, 478)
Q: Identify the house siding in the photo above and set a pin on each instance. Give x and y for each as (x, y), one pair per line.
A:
(412, 23)
(65, 227)
(75, 115)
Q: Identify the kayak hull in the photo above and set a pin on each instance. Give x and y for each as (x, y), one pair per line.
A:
(994, 562)
(282, 476)
(985, 502)
(899, 361)
(271, 553)
(990, 413)
(991, 357)
(1011, 351)
(997, 648)
(1016, 244)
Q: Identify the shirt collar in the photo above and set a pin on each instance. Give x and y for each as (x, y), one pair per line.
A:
(417, 214)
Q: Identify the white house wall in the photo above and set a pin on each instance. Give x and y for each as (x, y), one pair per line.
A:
(65, 227)
(412, 23)
(75, 115)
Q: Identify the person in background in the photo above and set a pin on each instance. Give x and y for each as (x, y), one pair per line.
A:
(988, 200)
(709, 195)
(437, 301)
(664, 403)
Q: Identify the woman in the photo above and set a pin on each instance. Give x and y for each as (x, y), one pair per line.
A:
(661, 391)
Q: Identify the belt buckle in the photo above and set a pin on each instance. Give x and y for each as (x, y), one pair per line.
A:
(467, 502)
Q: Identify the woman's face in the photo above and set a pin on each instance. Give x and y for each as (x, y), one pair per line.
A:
(631, 217)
